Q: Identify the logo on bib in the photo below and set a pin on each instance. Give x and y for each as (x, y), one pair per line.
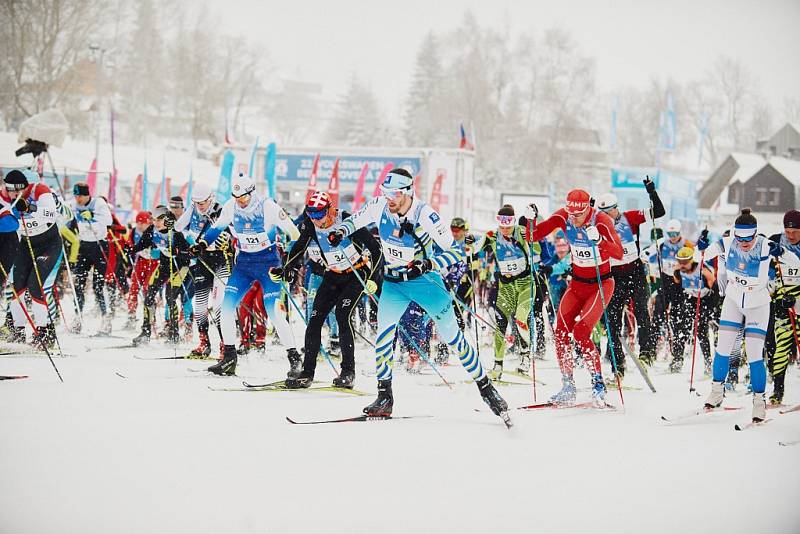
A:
(434, 217)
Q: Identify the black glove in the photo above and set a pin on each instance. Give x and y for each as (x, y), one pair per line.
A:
(786, 302)
(649, 185)
(23, 206)
(287, 274)
(419, 267)
(546, 270)
(703, 243)
(335, 237)
(198, 248)
(469, 239)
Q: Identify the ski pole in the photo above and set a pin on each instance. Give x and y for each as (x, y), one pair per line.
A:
(531, 318)
(399, 328)
(285, 287)
(696, 320)
(359, 334)
(605, 319)
(462, 303)
(30, 321)
(72, 283)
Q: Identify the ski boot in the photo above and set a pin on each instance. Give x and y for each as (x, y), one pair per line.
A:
(304, 380)
(598, 391)
(188, 331)
(105, 325)
(294, 363)
(716, 396)
(565, 397)
(76, 326)
(524, 366)
(345, 379)
(130, 324)
(144, 337)
(759, 407)
(17, 335)
(259, 346)
(227, 366)
(173, 333)
(244, 347)
(676, 365)
(647, 357)
(492, 398)
(382, 407)
(776, 399)
(497, 371)
(203, 350)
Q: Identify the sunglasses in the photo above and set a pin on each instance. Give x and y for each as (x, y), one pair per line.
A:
(506, 220)
(392, 194)
(745, 238)
(15, 187)
(673, 234)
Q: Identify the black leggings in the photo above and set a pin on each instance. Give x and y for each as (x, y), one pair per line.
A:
(47, 249)
(9, 243)
(343, 292)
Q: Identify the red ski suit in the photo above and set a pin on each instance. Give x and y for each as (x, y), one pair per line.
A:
(581, 306)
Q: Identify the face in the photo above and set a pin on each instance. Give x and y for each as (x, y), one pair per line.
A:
(398, 203)
(176, 211)
(685, 265)
(506, 230)
(746, 245)
(203, 206)
(159, 224)
(325, 221)
(141, 227)
(458, 233)
(613, 213)
(792, 235)
(674, 237)
(243, 201)
(12, 193)
(82, 200)
(580, 218)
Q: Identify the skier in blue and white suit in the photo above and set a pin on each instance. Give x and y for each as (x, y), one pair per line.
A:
(745, 259)
(253, 220)
(408, 227)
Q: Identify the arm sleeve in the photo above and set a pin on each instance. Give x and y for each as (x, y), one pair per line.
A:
(370, 213)
(223, 221)
(278, 217)
(451, 252)
(555, 221)
(102, 213)
(47, 208)
(658, 206)
(183, 220)
(363, 237)
(146, 241)
(610, 244)
(74, 242)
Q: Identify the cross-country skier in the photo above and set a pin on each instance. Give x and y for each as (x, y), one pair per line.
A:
(173, 266)
(590, 232)
(745, 257)
(693, 279)
(39, 254)
(340, 288)
(665, 250)
(208, 269)
(630, 285)
(254, 220)
(781, 341)
(145, 263)
(408, 227)
(93, 218)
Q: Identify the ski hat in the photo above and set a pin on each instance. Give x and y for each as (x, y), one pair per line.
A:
(458, 222)
(143, 217)
(578, 202)
(176, 202)
(685, 254)
(318, 204)
(607, 201)
(791, 219)
(242, 185)
(746, 226)
(398, 181)
(505, 216)
(673, 226)
(19, 179)
(201, 192)
(161, 212)
(81, 189)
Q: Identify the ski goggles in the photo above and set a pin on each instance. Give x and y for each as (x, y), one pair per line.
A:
(506, 220)
(14, 187)
(317, 214)
(745, 238)
(393, 194)
(673, 234)
(745, 232)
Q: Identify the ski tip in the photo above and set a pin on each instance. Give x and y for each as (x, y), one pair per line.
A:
(737, 428)
(120, 375)
(507, 420)
(289, 419)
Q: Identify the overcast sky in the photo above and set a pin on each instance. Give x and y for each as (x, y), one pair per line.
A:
(631, 40)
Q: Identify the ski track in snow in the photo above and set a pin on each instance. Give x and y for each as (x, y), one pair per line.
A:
(157, 451)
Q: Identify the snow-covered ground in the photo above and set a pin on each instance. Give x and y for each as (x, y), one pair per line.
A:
(157, 451)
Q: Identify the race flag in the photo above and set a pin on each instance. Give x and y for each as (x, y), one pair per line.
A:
(91, 177)
(112, 182)
(381, 177)
(614, 115)
(333, 184)
(436, 193)
(145, 192)
(136, 201)
(465, 144)
(187, 188)
(312, 179)
(358, 197)
(225, 177)
(269, 168)
(253, 158)
(668, 131)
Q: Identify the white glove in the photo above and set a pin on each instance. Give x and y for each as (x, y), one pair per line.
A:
(593, 234)
(531, 212)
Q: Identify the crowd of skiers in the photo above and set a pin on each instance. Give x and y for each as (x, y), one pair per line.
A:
(397, 275)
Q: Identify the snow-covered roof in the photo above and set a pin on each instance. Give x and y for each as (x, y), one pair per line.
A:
(789, 168)
(749, 164)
